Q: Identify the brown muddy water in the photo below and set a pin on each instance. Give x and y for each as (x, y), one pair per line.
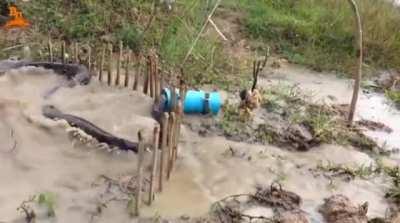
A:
(207, 170)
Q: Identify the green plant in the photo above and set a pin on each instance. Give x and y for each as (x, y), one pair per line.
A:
(48, 200)
(393, 95)
(322, 36)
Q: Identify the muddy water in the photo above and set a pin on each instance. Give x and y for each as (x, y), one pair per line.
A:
(328, 88)
(44, 158)
(207, 170)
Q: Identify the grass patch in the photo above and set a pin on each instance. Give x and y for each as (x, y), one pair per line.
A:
(393, 95)
(320, 33)
(140, 27)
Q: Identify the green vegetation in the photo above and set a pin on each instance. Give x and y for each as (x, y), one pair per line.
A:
(393, 95)
(48, 200)
(365, 172)
(141, 26)
(291, 119)
(320, 33)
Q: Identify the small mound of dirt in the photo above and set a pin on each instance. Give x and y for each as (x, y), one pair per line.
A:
(275, 196)
(339, 209)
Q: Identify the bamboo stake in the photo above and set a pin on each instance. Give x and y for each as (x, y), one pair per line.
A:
(139, 174)
(358, 75)
(164, 149)
(127, 64)
(76, 52)
(63, 52)
(72, 53)
(146, 78)
(154, 165)
(89, 58)
(109, 73)
(117, 79)
(103, 54)
(173, 98)
(156, 81)
(178, 121)
(50, 47)
(151, 73)
(171, 133)
(136, 77)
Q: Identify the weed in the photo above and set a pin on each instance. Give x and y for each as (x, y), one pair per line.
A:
(47, 200)
(322, 36)
(393, 95)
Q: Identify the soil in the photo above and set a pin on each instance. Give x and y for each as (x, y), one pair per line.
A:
(339, 209)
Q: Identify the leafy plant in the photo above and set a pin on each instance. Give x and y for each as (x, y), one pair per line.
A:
(48, 200)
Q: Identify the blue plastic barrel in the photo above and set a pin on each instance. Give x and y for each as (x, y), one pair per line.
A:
(167, 94)
(196, 101)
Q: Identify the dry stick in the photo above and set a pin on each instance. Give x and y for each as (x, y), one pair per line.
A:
(201, 31)
(216, 29)
(164, 149)
(76, 52)
(119, 63)
(358, 76)
(171, 153)
(137, 73)
(103, 54)
(177, 128)
(109, 73)
(63, 52)
(50, 47)
(173, 97)
(89, 61)
(127, 64)
(154, 165)
(139, 174)
(156, 81)
(151, 73)
(146, 78)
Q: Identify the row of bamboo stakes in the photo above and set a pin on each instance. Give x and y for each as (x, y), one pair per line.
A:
(166, 135)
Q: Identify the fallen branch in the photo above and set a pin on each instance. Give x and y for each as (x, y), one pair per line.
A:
(216, 29)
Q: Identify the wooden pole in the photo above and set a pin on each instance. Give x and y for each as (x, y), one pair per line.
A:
(137, 74)
(164, 149)
(117, 79)
(109, 73)
(76, 52)
(103, 55)
(89, 61)
(139, 174)
(50, 47)
(156, 81)
(63, 52)
(154, 164)
(358, 75)
(151, 74)
(146, 78)
(179, 113)
(171, 133)
(173, 97)
(127, 66)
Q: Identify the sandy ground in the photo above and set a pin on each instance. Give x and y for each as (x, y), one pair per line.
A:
(46, 161)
